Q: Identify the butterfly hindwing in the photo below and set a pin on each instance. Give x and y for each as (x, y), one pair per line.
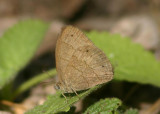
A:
(87, 68)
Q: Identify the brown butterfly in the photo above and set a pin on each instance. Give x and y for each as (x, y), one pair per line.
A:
(79, 63)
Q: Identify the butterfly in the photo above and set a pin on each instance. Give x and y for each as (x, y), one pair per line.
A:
(79, 63)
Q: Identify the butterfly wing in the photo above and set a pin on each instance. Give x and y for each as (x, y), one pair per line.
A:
(68, 42)
(80, 64)
(88, 67)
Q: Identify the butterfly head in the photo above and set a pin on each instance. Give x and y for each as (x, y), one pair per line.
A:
(60, 86)
(57, 86)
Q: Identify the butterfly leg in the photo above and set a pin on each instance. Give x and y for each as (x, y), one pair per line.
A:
(75, 92)
(71, 89)
(62, 92)
(66, 100)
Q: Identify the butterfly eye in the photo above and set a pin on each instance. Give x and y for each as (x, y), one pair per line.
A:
(71, 35)
(87, 50)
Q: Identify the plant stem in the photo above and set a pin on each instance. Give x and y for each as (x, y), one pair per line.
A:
(25, 86)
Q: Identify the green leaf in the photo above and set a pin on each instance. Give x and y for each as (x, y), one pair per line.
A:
(131, 62)
(17, 46)
(57, 103)
(105, 106)
(131, 111)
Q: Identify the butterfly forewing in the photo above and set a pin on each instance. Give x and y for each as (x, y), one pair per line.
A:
(69, 40)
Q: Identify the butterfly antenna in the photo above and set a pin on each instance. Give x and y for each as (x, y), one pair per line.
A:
(47, 82)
